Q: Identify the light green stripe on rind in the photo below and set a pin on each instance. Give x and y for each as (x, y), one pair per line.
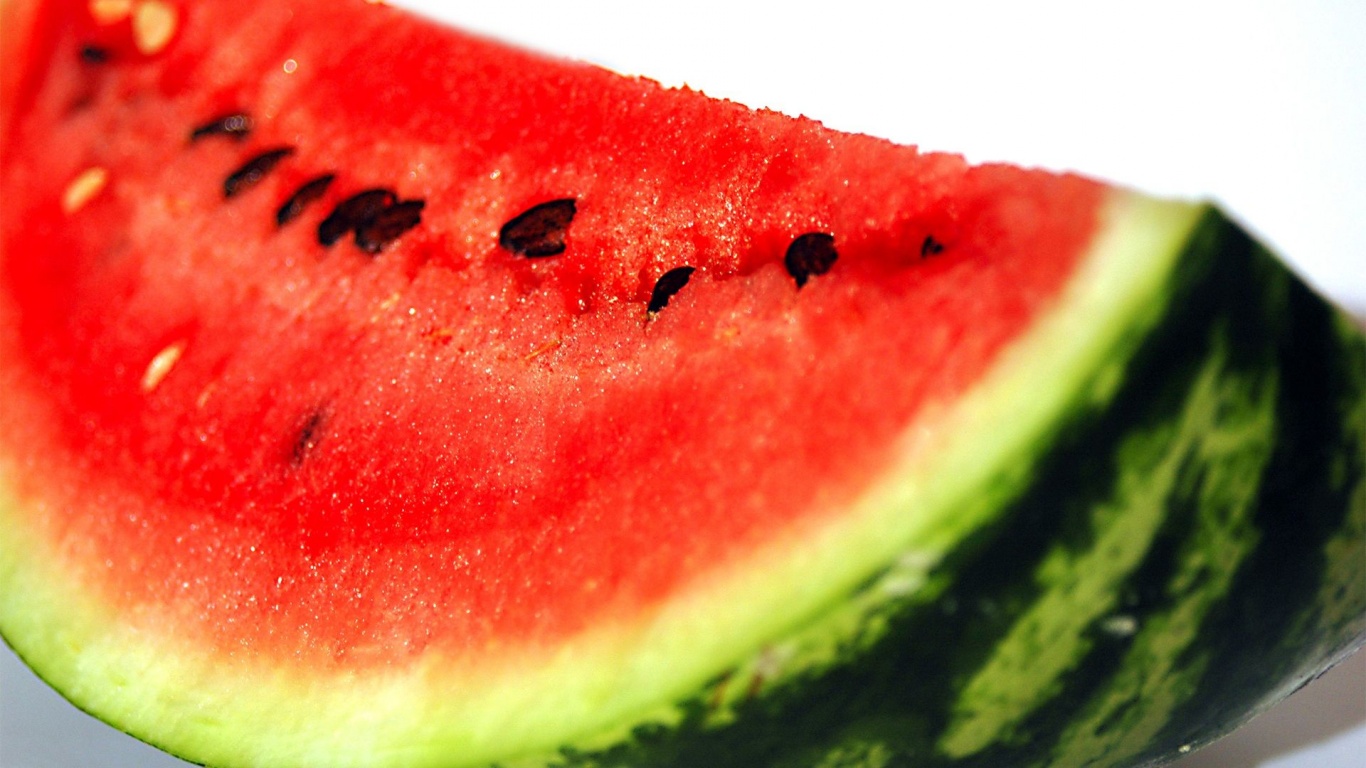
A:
(1223, 461)
(1220, 441)
(1343, 592)
(1327, 621)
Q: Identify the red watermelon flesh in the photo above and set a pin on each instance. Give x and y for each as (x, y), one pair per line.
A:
(323, 452)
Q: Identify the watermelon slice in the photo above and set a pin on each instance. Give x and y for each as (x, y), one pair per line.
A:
(379, 395)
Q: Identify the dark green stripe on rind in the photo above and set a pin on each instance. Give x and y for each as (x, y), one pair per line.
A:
(1185, 553)
(1301, 597)
(1242, 614)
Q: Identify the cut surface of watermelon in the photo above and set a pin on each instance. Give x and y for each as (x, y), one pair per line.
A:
(352, 362)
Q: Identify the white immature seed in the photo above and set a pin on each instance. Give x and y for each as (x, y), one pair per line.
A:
(154, 24)
(1120, 626)
(83, 188)
(106, 12)
(161, 365)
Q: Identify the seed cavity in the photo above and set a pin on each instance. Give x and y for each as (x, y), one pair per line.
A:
(388, 224)
(235, 126)
(442, 335)
(253, 171)
(154, 24)
(539, 231)
(542, 349)
(810, 254)
(302, 197)
(83, 188)
(161, 365)
(930, 247)
(106, 12)
(352, 213)
(308, 437)
(93, 54)
(204, 394)
(666, 286)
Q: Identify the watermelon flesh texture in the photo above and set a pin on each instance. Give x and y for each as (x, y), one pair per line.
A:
(533, 367)
(269, 500)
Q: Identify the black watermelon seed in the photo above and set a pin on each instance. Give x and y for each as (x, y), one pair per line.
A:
(302, 197)
(307, 437)
(666, 286)
(353, 213)
(810, 254)
(93, 54)
(386, 226)
(539, 231)
(235, 126)
(253, 170)
(930, 247)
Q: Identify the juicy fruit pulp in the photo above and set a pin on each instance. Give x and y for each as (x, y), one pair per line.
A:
(351, 362)
(485, 389)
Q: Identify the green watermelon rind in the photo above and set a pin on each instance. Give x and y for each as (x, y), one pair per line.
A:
(823, 674)
(1151, 706)
(1250, 394)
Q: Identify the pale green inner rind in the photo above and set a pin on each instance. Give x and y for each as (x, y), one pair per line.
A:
(958, 467)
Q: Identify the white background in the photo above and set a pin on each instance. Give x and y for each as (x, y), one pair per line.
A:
(1260, 106)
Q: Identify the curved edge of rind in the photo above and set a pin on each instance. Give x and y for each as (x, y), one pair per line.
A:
(1300, 601)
